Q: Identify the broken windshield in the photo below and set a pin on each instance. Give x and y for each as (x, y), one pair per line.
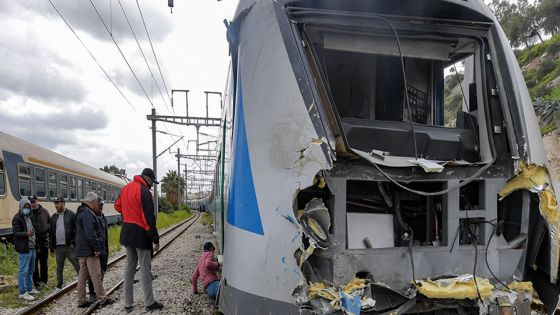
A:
(362, 77)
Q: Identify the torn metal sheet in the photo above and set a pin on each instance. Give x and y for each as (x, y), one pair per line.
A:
(348, 298)
(315, 222)
(461, 287)
(535, 178)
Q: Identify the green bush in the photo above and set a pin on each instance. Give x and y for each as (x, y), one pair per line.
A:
(165, 206)
(545, 68)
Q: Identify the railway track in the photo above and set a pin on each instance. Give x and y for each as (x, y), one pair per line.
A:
(39, 306)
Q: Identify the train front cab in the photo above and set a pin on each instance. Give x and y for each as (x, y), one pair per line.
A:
(335, 200)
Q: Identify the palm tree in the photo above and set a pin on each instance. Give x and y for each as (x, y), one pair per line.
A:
(169, 186)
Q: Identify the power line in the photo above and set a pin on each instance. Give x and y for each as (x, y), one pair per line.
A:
(142, 52)
(95, 59)
(153, 51)
(122, 54)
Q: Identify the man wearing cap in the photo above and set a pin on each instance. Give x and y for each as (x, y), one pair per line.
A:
(63, 238)
(139, 235)
(40, 276)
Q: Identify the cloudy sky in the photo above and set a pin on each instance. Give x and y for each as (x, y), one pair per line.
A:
(52, 93)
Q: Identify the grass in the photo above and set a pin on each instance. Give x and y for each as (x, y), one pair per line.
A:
(206, 219)
(9, 260)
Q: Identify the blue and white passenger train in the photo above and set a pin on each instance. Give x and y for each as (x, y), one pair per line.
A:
(349, 182)
(26, 169)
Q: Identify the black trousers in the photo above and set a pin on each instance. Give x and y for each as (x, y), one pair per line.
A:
(41, 266)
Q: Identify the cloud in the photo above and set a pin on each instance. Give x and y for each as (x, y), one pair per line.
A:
(31, 69)
(82, 16)
(54, 128)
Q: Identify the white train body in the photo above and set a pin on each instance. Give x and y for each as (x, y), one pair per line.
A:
(314, 113)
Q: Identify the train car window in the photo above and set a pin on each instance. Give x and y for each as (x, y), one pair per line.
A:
(63, 186)
(40, 183)
(2, 182)
(98, 189)
(52, 185)
(24, 176)
(72, 188)
(87, 187)
(80, 189)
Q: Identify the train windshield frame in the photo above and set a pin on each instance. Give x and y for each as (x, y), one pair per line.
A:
(373, 123)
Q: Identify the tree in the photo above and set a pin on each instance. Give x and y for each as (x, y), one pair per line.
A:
(549, 12)
(520, 21)
(114, 170)
(169, 187)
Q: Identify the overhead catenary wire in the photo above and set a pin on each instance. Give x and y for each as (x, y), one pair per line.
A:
(95, 59)
(153, 51)
(122, 54)
(143, 55)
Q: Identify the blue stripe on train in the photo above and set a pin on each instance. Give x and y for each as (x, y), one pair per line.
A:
(243, 209)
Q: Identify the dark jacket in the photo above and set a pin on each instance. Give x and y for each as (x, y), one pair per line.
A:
(136, 205)
(104, 234)
(19, 230)
(88, 232)
(69, 228)
(43, 219)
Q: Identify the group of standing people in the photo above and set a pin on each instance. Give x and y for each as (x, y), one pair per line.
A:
(36, 233)
(82, 239)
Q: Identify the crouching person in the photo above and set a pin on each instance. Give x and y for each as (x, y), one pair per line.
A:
(88, 249)
(23, 228)
(206, 270)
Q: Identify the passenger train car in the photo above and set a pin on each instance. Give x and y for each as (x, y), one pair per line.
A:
(26, 169)
(349, 182)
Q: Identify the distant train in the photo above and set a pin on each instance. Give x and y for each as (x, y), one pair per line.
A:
(353, 176)
(27, 169)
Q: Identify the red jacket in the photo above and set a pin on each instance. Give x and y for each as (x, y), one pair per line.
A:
(136, 205)
(206, 269)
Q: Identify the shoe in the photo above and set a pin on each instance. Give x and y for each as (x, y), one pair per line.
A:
(107, 301)
(27, 297)
(129, 309)
(84, 305)
(155, 306)
(92, 298)
(44, 286)
(57, 289)
(34, 291)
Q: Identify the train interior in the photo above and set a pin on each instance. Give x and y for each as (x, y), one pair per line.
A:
(362, 74)
(354, 217)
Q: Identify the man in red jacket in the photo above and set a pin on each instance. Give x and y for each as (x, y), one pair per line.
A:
(138, 235)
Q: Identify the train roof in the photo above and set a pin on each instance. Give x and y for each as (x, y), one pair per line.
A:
(466, 10)
(39, 155)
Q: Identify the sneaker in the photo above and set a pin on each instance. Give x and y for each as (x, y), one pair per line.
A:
(84, 305)
(34, 291)
(129, 309)
(57, 289)
(92, 298)
(44, 286)
(155, 306)
(27, 297)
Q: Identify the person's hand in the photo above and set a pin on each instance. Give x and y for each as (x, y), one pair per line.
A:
(30, 232)
(38, 251)
(71, 246)
(97, 254)
(156, 247)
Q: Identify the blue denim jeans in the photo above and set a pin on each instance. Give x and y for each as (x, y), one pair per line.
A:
(26, 269)
(213, 289)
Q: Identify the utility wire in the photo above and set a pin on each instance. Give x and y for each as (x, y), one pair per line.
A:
(153, 51)
(95, 59)
(143, 55)
(122, 54)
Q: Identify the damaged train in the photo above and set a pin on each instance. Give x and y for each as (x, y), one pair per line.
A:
(380, 157)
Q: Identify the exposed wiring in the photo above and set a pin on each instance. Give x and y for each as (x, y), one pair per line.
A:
(474, 242)
(405, 85)
(486, 256)
(477, 173)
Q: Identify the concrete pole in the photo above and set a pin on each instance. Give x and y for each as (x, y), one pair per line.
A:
(179, 195)
(154, 161)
